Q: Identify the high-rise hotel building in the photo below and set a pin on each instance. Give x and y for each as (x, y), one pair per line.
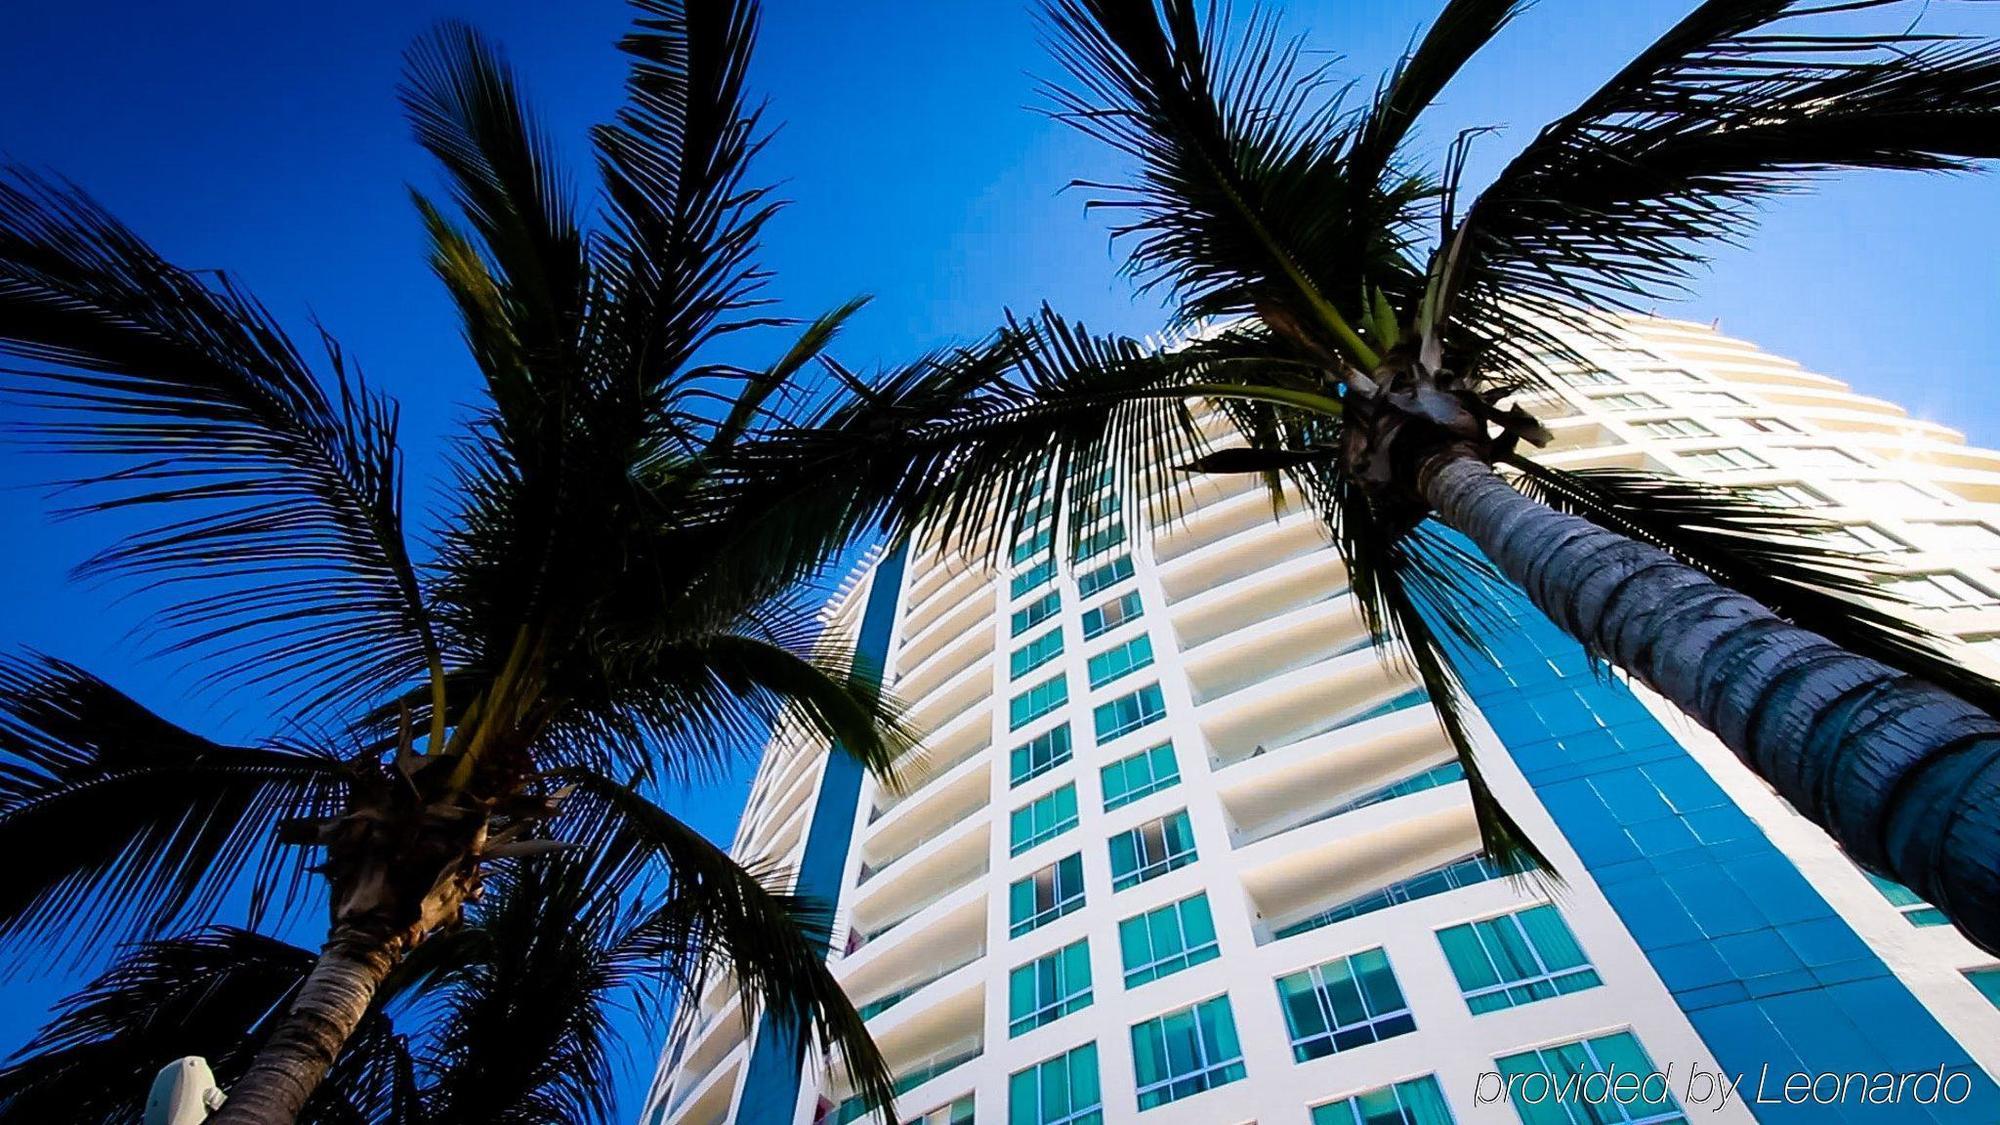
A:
(1183, 849)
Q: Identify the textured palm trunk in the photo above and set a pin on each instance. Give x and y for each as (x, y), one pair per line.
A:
(1905, 776)
(330, 1004)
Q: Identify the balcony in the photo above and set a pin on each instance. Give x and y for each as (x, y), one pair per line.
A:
(1267, 649)
(1217, 610)
(944, 582)
(1267, 717)
(972, 611)
(937, 757)
(953, 798)
(1285, 789)
(1261, 547)
(1219, 521)
(707, 1098)
(1291, 876)
(930, 873)
(970, 690)
(971, 648)
(938, 932)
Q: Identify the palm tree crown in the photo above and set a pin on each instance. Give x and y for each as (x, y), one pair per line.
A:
(1369, 331)
(608, 601)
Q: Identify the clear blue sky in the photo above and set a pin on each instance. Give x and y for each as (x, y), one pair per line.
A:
(265, 138)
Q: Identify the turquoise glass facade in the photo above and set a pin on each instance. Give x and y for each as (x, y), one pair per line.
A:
(1764, 968)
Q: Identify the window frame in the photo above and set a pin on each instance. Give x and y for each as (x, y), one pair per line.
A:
(1154, 783)
(1039, 916)
(1337, 1037)
(1145, 869)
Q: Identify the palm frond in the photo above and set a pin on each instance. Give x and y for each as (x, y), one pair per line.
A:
(523, 1020)
(523, 298)
(1779, 556)
(188, 394)
(1616, 202)
(1418, 592)
(718, 917)
(684, 707)
(120, 824)
(963, 444)
(682, 221)
(210, 993)
(1459, 32)
(185, 396)
(1242, 203)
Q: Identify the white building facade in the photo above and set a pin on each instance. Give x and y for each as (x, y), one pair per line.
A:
(1182, 848)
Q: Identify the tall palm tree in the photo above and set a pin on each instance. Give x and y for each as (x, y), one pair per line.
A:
(1364, 326)
(505, 1021)
(601, 607)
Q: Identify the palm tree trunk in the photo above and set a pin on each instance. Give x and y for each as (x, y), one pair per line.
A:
(1903, 775)
(330, 1004)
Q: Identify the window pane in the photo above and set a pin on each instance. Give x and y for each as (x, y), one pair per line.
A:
(1035, 653)
(1566, 1063)
(1345, 1003)
(1149, 771)
(1128, 713)
(1121, 660)
(1038, 755)
(1104, 577)
(1036, 612)
(1186, 1052)
(1037, 701)
(1150, 850)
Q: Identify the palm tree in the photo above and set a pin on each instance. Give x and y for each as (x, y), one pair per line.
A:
(504, 1021)
(602, 606)
(1364, 325)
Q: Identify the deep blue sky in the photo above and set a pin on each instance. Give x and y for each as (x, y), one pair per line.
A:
(265, 138)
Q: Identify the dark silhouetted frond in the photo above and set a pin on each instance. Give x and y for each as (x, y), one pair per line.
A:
(117, 823)
(1616, 202)
(717, 917)
(276, 504)
(212, 994)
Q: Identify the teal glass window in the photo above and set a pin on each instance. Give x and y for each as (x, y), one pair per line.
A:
(1038, 755)
(1033, 543)
(1121, 660)
(1418, 1101)
(1097, 542)
(1045, 896)
(1185, 1052)
(1907, 902)
(1058, 1091)
(1032, 579)
(1128, 713)
(1035, 653)
(1987, 981)
(1037, 701)
(1568, 1063)
(1110, 615)
(1042, 819)
(1130, 778)
(1345, 1003)
(1445, 877)
(1160, 943)
(1516, 959)
(1048, 988)
(957, 1113)
(1151, 850)
(1036, 612)
(1104, 577)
